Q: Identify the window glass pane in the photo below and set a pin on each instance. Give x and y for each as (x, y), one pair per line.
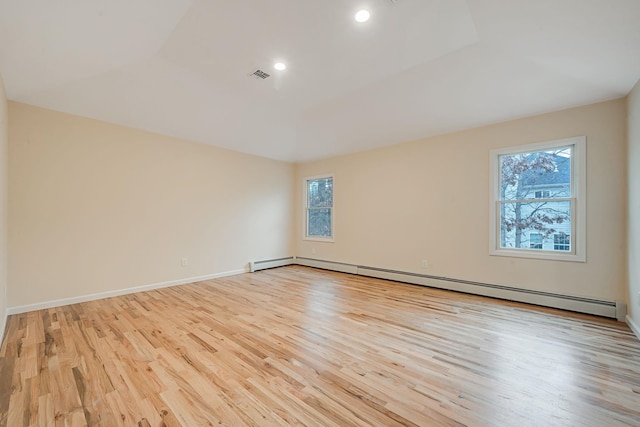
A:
(320, 192)
(539, 174)
(319, 222)
(520, 220)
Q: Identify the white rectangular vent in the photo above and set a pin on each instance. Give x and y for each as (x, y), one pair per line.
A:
(259, 74)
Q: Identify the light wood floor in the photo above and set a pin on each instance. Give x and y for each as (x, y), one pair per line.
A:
(297, 346)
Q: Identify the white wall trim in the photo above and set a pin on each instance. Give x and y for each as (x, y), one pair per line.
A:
(108, 294)
(635, 328)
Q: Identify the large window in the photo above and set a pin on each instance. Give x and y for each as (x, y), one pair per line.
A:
(319, 208)
(538, 203)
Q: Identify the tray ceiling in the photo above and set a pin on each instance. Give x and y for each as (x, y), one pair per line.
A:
(416, 69)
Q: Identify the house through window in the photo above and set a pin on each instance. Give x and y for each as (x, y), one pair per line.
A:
(561, 242)
(535, 241)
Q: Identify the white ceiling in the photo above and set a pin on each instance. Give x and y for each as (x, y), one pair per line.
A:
(417, 68)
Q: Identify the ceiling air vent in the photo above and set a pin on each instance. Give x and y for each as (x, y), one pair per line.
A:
(259, 74)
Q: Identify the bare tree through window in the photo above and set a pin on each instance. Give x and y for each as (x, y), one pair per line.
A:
(535, 198)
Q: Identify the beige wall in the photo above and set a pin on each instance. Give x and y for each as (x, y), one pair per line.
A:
(4, 141)
(634, 206)
(429, 199)
(96, 207)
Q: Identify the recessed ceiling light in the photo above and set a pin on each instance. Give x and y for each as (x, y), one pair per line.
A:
(363, 15)
(280, 66)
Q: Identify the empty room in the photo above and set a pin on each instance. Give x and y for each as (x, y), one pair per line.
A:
(320, 213)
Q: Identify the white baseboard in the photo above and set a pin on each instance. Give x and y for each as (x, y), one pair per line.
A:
(634, 326)
(108, 294)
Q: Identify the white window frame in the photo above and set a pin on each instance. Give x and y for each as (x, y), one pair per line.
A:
(305, 211)
(578, 201)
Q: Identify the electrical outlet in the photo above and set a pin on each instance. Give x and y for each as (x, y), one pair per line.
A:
(313, 251)
(425, 263)
(184, 262)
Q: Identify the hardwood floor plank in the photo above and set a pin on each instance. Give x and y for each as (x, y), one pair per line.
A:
(299, 346)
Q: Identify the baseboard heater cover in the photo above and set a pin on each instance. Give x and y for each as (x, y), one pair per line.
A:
(270, 263)
(328, 265)
(597, 307)
(547, 299)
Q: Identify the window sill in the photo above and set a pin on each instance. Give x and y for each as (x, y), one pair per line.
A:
(319, 239)
(544, 255)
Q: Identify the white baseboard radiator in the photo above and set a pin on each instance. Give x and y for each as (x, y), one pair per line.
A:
(612, 309)
(270, 263)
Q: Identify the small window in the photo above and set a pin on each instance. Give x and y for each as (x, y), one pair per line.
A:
(535, 241)
(538, 200)
(319, 208)
(561, 242)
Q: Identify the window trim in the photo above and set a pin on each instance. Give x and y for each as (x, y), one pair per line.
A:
(305, 211)
(578, 197)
